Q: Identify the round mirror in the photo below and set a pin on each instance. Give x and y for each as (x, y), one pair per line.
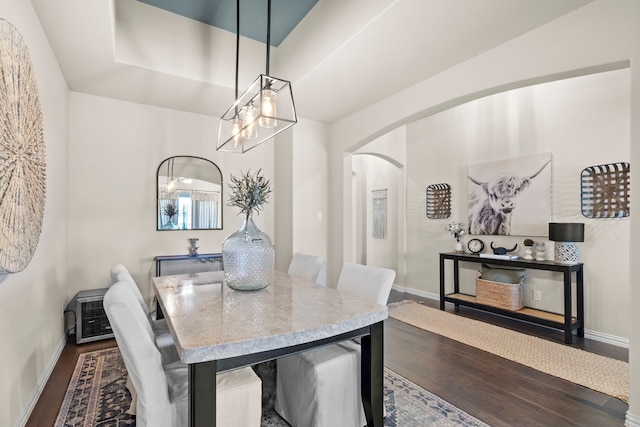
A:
(189, 194)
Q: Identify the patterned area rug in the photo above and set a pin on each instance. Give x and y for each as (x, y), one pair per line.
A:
(599, 373)
(97, 396)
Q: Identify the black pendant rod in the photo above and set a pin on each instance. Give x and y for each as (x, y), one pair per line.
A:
(268, 33)
(237, 45)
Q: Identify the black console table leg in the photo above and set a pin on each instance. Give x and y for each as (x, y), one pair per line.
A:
(580, 302)
(568, 337)
(441, 282)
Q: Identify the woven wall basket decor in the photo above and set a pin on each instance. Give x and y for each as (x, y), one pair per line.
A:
(438, 201)
(22, 154)
(605, 190)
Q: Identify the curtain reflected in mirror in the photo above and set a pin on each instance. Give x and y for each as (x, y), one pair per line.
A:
(189, 194)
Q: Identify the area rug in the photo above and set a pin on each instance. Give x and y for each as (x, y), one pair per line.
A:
(97, 396)
(600, 373)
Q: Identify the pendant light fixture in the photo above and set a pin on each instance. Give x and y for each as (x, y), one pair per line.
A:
(264, 110)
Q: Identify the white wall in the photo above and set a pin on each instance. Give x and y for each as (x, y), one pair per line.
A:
(115, 148)
(31, 301)
(379, 174)
(309, 205)
(583, 121)
(601, 35)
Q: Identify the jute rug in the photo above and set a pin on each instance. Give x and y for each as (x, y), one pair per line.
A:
(97, 396)
(603, 374)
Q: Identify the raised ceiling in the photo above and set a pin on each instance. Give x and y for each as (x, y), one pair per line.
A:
(343, 56)
(285, 15)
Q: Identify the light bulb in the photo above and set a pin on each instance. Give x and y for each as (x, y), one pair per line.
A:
(236, 132)
(249, 113)
(268, 108)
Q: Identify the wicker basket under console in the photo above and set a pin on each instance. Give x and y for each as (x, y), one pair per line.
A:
(506, 296)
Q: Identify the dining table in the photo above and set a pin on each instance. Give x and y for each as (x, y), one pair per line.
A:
(216, 329)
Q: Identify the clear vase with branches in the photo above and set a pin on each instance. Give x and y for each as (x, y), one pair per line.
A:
(248, 255)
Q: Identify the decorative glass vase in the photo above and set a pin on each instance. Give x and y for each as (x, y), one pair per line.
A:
(248, 257)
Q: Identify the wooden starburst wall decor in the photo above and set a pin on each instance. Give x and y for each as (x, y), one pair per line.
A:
(22, 154)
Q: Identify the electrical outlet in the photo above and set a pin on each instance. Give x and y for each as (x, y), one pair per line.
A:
(537, 295)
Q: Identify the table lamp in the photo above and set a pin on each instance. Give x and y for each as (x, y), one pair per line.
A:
(565, 235)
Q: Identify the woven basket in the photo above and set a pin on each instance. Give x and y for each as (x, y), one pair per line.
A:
(506, 296)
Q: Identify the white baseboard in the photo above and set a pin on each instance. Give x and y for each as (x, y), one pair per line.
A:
(632, 420)
(33, 399)
(606, 338)
(592, 335)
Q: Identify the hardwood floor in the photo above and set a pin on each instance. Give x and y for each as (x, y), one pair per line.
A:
(499, 392)
(46, 409)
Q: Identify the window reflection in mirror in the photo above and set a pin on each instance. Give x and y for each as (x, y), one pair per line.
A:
(189, 194)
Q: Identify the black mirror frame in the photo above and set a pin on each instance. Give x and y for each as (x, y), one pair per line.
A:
(158, 195)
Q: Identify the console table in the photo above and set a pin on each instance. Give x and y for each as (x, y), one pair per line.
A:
(565, 322)
(167, 265)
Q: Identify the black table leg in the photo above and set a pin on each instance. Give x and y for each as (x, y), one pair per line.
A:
(202, 394)
(372, 375)
(456, 281)
(568, 338)
(580, 301)
(441, 282)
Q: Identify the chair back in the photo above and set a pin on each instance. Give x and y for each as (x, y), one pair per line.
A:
(141, 357)
(306, 266)
(115, 269)
(119, 273)
(373, 284)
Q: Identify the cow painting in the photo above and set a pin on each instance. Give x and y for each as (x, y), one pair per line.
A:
(492, 202)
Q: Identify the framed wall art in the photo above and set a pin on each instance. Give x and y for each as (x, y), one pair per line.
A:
(379, 213)
(510, 197)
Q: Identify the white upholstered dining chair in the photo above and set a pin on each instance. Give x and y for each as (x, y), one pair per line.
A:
(309, 267)
(163, 338)
(162, 389)
(321, 387)
(159, 328)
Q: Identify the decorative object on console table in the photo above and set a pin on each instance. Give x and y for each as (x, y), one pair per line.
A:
(475, 246)
(540, 251)
(501, 287)
(457, 231)
(248, 254)
(565, 235)
(193, 249)
(501, 250)
(528, 251)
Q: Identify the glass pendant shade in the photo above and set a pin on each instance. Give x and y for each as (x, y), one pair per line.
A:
(268, 107)
(236, 131)
(249, 117)
(271, 118)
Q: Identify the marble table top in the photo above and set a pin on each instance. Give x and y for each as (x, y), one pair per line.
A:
(210, 321)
